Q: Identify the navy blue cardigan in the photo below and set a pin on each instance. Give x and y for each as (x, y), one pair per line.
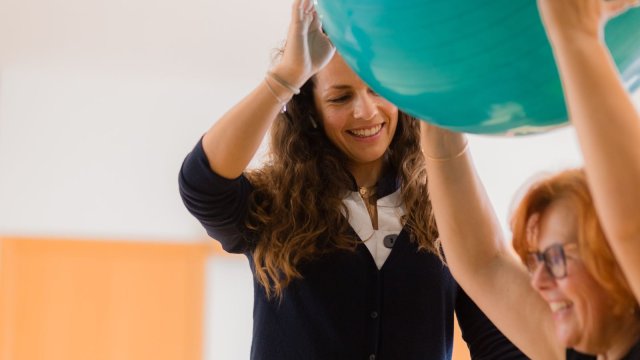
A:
(345, 308)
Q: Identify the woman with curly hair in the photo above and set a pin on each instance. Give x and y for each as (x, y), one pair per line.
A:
(337, 224)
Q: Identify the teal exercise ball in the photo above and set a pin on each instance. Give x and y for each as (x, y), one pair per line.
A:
(483, 67)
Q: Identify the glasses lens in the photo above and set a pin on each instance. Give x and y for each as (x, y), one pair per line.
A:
(555, 261)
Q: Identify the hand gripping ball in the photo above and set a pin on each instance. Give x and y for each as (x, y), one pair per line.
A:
(483, 67)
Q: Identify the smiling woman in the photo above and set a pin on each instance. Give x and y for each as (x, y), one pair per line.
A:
(337, 224)
(591, 301)
(355, 119)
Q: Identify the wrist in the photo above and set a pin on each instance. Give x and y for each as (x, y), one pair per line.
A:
(560, 36)
(450, 155)
(296, 79)
(283, 97)
(576, 45)
(283, 83)
(441, 145)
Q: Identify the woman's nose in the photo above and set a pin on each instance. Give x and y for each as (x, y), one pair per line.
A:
(541, 278)
(365, 107)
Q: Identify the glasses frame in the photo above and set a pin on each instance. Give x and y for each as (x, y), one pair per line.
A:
(553, 257)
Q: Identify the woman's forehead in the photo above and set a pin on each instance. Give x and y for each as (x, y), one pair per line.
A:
(336, 74)
(557, 224)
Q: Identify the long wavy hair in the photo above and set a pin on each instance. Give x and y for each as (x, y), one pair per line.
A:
(296, 211)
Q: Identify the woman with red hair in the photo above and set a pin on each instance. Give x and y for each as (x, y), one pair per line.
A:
(577, 232)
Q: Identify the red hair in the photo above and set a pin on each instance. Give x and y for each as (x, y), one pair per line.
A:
(593, 247)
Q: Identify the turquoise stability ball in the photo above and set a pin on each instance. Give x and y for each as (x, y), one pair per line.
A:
(483, 67)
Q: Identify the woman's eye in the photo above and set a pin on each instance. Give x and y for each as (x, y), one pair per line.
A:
(339, 99)
(372, 92)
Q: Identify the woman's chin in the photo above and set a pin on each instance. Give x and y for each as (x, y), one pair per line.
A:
(567, 334)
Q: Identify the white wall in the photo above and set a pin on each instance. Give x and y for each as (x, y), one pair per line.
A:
(100, 101)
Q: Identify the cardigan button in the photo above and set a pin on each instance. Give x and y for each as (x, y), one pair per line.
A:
(372, 357)
(389, 240)
(374, 314)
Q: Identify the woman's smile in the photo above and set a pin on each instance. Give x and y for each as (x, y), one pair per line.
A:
(366, 133)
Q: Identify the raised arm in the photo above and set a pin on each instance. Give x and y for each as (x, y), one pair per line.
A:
(606, 121)
(476, 251)
(233, 140)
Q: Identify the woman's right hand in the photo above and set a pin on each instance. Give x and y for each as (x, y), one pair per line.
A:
(233, 140)
(573, 20)
(307, 49)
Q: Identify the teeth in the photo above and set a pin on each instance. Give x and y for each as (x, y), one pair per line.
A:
(366, 132)
(559, 305)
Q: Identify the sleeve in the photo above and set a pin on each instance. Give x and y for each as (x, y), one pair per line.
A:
(484, 340)
(220, 204)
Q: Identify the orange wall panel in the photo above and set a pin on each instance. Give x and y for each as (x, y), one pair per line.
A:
(79, 300)
(460, 349)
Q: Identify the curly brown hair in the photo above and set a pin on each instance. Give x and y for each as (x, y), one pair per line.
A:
(296, 211)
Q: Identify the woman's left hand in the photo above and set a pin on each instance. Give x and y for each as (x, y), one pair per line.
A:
(575, 19)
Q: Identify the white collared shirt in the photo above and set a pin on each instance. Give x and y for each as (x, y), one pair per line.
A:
(390, 211)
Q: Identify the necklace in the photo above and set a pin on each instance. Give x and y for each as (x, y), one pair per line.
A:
(370, 199)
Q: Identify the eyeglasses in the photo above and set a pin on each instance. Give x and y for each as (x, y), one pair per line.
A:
(554, 260)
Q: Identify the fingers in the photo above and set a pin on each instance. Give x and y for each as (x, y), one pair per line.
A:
(630, 3)
(298, 10)
(307, 6)
(296, 5)
(302, 12)
(302, 8)
(315, 22)
(616, 7)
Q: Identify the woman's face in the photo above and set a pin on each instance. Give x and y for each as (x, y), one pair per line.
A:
(356, 120)
(580, 307)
